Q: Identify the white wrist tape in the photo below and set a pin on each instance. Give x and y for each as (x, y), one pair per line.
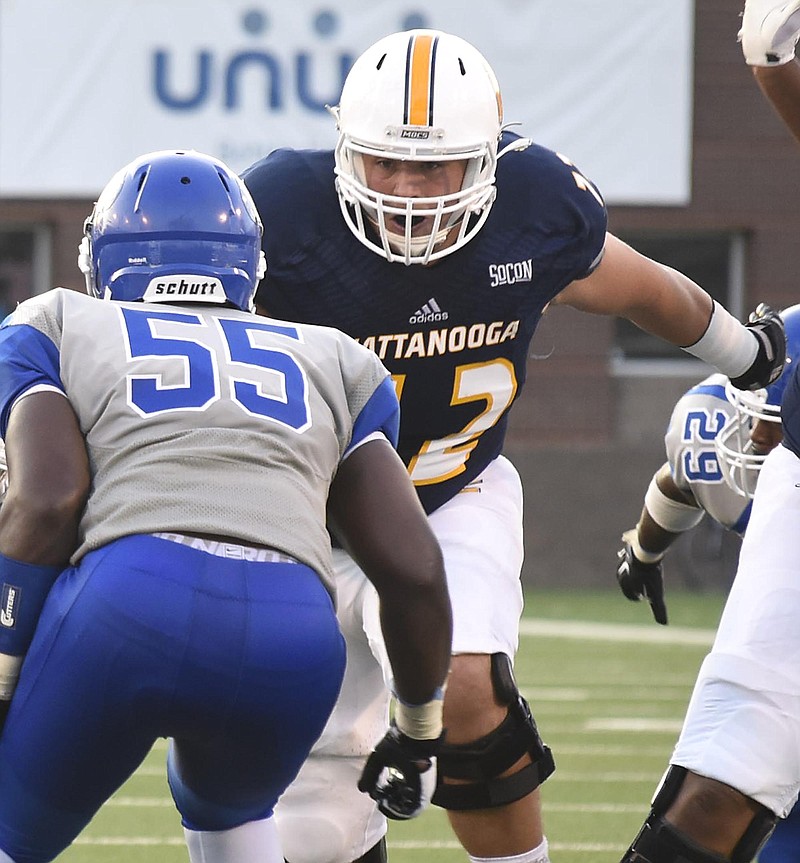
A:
(726, 344)
(420, 721)
(670, 515)
(9, 673)
(641, 554)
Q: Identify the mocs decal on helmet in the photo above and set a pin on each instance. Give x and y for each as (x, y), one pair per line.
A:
(427, 97)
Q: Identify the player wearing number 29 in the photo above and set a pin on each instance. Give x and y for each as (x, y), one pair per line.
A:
(436, 237)
(179, 452)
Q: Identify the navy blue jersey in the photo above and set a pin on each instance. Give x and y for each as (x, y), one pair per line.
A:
(454, 334)
(790, 410)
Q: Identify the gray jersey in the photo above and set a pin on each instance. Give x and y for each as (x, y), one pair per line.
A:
(246, 418)
(696, 420)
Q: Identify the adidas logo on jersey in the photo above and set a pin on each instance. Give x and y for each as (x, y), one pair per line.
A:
(431, 312)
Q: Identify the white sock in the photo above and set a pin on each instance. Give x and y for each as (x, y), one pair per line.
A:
(539, 854)
(253, 842)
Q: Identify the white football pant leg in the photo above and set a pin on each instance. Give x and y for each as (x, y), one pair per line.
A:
(480, 532)
(742, 726)
(254, 842)
(322, 817)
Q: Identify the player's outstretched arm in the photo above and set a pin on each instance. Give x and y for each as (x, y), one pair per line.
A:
(48, 474)
(48, 483)
(769, 35)
(375, 512)
(668, 304)
(781, 86)
(667, 512)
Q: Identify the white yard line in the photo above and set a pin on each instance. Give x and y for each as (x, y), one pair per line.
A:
(593, 631)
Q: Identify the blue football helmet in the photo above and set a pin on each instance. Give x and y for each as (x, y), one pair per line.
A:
(739, 460)
(175, 226)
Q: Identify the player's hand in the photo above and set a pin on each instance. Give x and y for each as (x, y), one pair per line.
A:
(767, 326)
(400, 774)
(639, 581)
(770, 30)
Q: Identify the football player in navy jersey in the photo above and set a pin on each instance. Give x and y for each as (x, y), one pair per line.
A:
(164, 559)
(735, 769)
(436, 238)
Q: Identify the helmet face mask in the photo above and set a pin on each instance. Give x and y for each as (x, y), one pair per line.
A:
(174, 227)
(418, 96)
(739, 458)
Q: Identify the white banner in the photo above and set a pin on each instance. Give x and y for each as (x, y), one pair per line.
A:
(87, 85)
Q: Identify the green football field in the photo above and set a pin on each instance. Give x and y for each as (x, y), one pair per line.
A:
(608, 688)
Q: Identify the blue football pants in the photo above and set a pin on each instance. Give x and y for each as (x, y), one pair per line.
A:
(239, 662)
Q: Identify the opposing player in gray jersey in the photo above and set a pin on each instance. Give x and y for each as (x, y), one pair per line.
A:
(164, 558)
(716, 442)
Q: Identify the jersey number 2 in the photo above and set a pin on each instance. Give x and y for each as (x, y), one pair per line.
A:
(494, 383)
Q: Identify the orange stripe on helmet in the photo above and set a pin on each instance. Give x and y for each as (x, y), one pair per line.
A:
(419, 83)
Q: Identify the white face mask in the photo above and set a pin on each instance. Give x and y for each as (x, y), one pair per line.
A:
(738, 460)
(463, 211)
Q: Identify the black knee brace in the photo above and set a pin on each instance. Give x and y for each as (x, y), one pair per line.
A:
(481, 761)
(660, 842)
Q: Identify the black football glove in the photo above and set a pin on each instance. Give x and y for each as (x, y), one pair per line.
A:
(400, 774)
(639, 580)
(770, 331)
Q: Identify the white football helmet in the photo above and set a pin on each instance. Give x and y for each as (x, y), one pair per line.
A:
(419, 95)
(738, 458)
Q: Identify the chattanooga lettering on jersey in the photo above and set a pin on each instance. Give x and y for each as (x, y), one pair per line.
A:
(511, 273)
(452, 340)
(184, 287)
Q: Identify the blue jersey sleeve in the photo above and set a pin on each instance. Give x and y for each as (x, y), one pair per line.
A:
(380, 413)
(28, 358)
